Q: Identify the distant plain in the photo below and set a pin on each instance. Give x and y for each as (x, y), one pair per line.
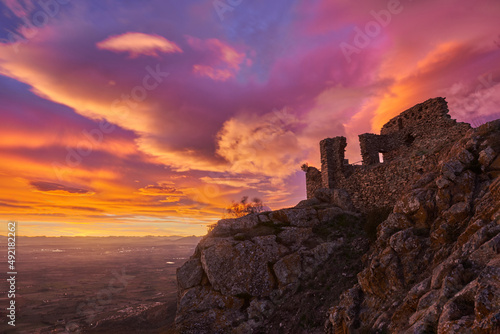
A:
(94, 284)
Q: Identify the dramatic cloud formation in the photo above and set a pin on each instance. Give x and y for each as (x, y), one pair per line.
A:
(137, 118)
(136, 43)
(264, 144)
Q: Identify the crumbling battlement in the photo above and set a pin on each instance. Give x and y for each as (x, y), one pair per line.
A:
(409, 144)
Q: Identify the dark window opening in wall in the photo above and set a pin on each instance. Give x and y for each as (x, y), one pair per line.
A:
(400, 124)
(409, 140)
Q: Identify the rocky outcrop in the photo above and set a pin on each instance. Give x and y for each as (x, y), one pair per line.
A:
(435, 266)
(432, 267)
(245, 271)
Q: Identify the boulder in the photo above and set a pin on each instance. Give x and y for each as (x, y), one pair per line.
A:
(239, 269)
(486, 157)
(190, 274)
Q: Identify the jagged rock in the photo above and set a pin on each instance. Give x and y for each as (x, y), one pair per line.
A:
(404, 241)
(470, 231)
(383, 276)
(238, 269)
(344, 318)
(410, 304)
(410, 203)
(465, 183)
(397, 221)
(190, 274)
(465, 157)
(201, 310)
(486, 157)
(258, 272)
(442, 182)
(464, 239)
(457, 213)
(489, 249)
(452, 169)
(495, 165)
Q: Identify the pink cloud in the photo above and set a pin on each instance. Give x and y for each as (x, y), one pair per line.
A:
(136, 43)
(213, 73)
(224, 61)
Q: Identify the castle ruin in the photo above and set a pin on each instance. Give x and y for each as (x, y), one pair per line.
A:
(409, 145)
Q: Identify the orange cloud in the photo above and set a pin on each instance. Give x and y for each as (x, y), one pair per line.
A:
(439, 56)
(263, 145)
(136, 43)
(422, 77)
(101, 201)
(213, 73)
(89, 99)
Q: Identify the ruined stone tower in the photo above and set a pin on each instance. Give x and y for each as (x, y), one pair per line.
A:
(332, 159)
(409, 144)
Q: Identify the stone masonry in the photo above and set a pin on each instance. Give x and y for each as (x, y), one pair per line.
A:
(410, 145)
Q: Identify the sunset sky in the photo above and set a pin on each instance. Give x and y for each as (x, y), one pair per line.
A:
(149, 117)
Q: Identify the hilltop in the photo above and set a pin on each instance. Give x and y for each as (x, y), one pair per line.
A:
(408, 244)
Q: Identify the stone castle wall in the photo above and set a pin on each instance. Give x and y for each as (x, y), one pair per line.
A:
(410, 144)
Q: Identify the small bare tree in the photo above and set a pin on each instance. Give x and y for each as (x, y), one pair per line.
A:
(243, 207)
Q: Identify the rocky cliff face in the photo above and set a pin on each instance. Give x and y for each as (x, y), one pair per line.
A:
(433, 265)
